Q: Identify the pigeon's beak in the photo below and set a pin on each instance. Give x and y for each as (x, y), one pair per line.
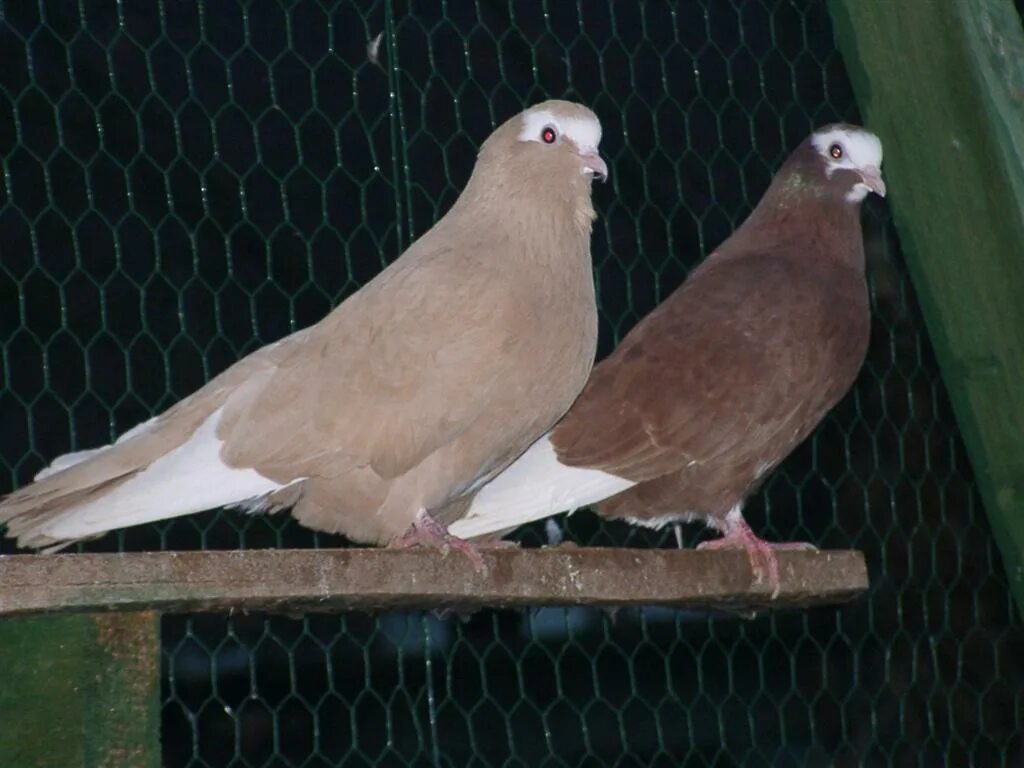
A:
(593, 165)
(872, 178)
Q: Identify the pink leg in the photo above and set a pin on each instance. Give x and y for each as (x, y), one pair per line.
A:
(763, 561)
(427, 532)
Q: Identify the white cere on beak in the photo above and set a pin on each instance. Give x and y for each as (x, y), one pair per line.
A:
(583, 132)
(855, 150)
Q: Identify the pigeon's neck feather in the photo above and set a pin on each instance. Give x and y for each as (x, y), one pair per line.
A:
(551, 215)
(804, 210)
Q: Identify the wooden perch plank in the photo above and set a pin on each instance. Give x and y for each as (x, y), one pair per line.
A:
(375, 579)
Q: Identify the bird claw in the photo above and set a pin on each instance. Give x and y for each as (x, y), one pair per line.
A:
(763, 562)
(427, 532)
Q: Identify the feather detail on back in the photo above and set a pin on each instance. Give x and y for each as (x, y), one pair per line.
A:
(77, 457)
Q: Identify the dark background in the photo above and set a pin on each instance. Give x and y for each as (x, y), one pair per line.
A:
(183, 182)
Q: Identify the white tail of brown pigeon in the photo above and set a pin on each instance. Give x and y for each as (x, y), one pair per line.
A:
(535, 486)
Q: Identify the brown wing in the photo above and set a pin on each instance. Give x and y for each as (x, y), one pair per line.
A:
(749, 348)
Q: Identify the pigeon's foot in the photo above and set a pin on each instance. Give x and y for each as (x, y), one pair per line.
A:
(427, 532)
(763, 562)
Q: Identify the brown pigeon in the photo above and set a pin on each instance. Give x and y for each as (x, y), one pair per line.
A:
(415, 391)
(706, 395)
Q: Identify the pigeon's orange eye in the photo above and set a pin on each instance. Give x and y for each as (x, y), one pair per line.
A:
(548, 135)
(836, 151)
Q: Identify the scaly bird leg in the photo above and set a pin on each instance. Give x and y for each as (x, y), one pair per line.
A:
(763, 562)
(427, 532)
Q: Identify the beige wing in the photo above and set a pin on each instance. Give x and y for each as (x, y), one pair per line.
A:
(393, 374)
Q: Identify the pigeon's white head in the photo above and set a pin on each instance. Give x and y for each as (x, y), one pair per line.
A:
(849, 148)
(558, 126)
(537, 167)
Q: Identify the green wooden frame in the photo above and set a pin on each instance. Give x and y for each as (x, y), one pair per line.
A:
(80, 691)
(942, 83)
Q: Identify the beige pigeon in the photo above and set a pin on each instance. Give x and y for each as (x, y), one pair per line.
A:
(414, 392)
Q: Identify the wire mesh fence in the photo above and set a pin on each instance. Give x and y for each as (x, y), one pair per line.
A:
(183, 182)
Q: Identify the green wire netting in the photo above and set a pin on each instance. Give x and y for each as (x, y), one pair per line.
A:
(185, 181)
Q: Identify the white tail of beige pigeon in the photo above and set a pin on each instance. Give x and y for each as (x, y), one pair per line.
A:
(188, 479)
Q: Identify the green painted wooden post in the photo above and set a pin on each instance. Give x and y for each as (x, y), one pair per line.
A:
(80, 691)
(942, 83)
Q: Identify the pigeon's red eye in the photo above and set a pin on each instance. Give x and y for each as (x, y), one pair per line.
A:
(548, 135)
(836, 151)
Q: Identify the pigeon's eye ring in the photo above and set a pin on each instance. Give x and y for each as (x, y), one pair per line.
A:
(548, 135)
(836, 150)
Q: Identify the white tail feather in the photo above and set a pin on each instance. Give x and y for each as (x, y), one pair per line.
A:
(67, 460)
(189, 479)
(536, 486)
(70, 459)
